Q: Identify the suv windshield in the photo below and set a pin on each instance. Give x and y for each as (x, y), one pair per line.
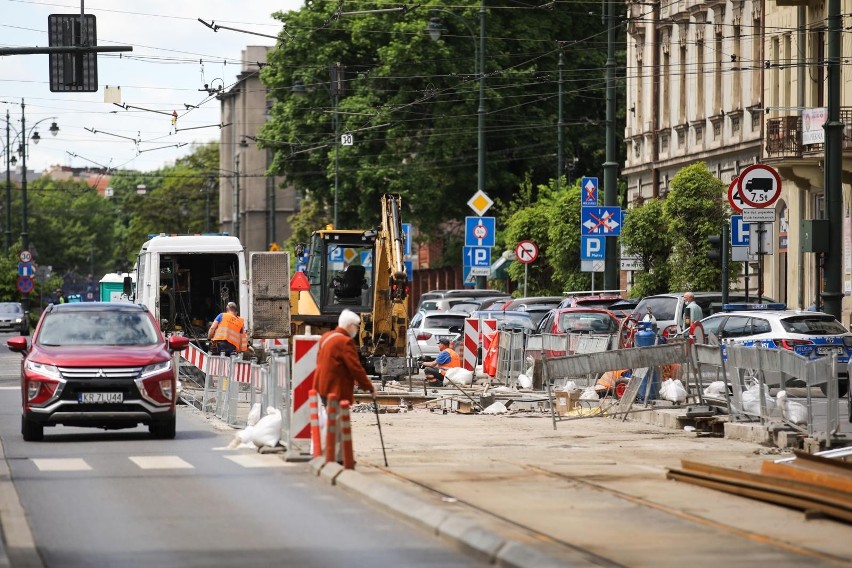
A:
(97, 328)
(443, 321)
(662, 308)
(813, 325)
(11, 308)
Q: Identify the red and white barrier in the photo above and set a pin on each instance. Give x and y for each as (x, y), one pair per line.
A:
(195, 357)
(242, 372)
(477, 333)
(305, 349)
(471, 343)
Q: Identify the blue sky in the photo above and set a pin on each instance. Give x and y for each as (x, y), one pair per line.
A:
(173, 56)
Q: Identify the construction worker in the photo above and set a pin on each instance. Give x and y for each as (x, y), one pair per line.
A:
(228, 332)
(446, 359)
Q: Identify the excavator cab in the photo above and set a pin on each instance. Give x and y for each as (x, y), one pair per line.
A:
(340, 271)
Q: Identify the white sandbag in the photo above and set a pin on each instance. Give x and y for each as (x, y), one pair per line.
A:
(254, 414)
(570, 386)
(525, 381)
(716, 388)
(496, 408)
(673, 390)
(459, 376)
(589, 393)
(791, 410)
(267, 431)
(504, 390)
(751, 400)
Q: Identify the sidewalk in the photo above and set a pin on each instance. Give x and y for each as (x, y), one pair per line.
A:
(593, 492)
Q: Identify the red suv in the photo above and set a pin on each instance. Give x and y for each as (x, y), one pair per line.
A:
(98, 364)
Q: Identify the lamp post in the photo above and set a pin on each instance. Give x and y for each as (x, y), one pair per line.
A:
(435, 29)
(335, 89)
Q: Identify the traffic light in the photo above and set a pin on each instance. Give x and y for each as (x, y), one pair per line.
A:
(714, 251)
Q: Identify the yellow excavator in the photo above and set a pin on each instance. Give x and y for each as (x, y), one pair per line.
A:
(363, 271)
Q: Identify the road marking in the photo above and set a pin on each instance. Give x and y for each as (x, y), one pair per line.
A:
(67, 464)
(15, 388)
(260, 460)
(160, 462)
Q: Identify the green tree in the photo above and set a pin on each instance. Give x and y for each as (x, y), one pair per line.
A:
(694, 209)
(412, 105)
(645, 233)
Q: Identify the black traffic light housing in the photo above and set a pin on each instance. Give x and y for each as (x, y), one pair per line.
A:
(714, 252)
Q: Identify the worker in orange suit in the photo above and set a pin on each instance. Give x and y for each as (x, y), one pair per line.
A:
(228, 332)
(339, 368)
(447, 359)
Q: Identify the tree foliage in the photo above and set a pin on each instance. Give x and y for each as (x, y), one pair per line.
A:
(412, 105)
(645, 233)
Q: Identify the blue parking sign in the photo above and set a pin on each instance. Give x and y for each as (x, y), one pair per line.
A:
(406, 231)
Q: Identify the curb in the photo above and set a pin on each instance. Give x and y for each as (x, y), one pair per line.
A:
(455, 526)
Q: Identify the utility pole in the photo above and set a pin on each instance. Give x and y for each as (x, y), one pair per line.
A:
(236, 223)
(560, 130)
(832, 294)
(610, 167)
(8, 232)
(481, 281)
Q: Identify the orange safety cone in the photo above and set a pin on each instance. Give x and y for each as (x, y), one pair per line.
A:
(331, 429)
(346, 436)
(316, 441)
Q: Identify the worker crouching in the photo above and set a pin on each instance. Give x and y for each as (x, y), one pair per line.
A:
(446, 359)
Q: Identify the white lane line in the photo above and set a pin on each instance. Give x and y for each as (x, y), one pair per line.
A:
(160, 462)
(260, 460)
(15, 388)
(67, 464)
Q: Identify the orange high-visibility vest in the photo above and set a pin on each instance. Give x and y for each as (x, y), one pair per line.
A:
(233, 330)
(455, 361)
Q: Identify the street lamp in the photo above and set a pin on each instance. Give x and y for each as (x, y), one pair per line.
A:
(335, 89)
(435, 28)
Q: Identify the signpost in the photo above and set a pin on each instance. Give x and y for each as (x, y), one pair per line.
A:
(479, 237)
(526, 252)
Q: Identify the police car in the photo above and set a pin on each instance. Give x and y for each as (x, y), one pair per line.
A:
(773, 326)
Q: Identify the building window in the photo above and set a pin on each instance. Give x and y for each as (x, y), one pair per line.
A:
(664, 142)
(735, 125)
(699, 134)
(717, 130)
(755, 121)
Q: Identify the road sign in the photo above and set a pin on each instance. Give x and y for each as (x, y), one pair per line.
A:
(409, 268)
(734, 196)
(477, 257)
(526, 251)
(468, 278)
(592, 265)
(589, 188)
(630, 264)
(753, 215)
(600, 221)
(406, 230)
(347, 139)
(479, 231)
(759, 185)
(760, 243)
(480, 203)
(739, 231)
(366, 259)
(26, 269)
(25, 284)
(25, 256)
(592, 248)
(480, 271)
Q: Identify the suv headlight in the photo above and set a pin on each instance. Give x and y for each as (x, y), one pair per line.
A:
(156, 369)
(43, 369)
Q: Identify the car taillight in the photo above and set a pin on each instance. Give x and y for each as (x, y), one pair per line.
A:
(791, 343)
(39, 392)
(423, 336)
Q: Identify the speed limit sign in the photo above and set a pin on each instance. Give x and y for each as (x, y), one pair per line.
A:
(347, 139)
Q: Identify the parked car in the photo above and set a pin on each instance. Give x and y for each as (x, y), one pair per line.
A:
(589, 300)
(665, 307)
(427, 327)
(495, 303)
(508, 319)
(810, 334)
(521, 304)
(14, 318)
(579, 320)
(459, 293)
(624, 308)
(97, 364)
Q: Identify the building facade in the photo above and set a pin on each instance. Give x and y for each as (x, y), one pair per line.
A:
(252, 205)
(732, 83)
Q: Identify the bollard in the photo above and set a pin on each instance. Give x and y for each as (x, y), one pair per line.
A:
(346, 436)
(316, 443)
(331, 429)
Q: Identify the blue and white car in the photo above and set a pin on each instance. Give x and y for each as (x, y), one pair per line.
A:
(772, 326)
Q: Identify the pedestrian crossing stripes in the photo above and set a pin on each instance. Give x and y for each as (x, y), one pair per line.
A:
(248, 461)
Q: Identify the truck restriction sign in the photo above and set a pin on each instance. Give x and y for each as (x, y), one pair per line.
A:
(526, 251)
(759, 185)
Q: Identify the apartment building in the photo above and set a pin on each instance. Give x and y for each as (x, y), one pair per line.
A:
(252, 205)
(733, 83)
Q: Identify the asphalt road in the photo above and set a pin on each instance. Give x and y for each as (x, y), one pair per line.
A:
(119, 498)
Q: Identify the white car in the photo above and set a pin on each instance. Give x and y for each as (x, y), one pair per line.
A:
(428, 326)
(772, 326)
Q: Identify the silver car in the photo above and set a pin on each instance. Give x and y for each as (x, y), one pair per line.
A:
(428, 326)
(13, 318)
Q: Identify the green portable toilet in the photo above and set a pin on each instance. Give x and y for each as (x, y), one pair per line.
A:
(112, 287)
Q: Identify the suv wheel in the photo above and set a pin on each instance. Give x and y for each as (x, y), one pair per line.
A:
(31, 431)
(164, 430)
(842, 387)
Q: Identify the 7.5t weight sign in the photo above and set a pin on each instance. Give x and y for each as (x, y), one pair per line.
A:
(759, 186)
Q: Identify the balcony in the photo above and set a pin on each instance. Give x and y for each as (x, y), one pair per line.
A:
(784, 136)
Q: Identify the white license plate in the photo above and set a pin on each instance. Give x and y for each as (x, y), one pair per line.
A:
(828, 349)
(100, 397)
